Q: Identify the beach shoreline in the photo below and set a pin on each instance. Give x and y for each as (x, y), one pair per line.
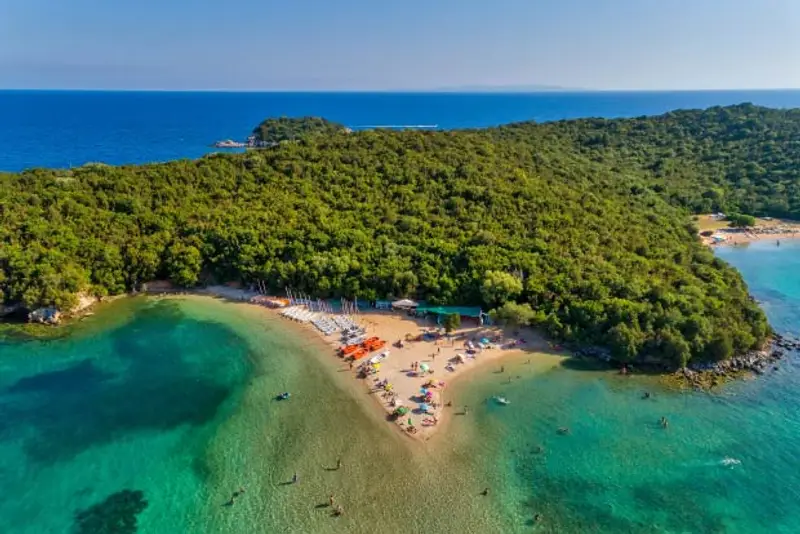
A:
(715, 232)
(438, 356)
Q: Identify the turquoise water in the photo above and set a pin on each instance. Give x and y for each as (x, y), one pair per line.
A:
(727, 463)
(113, 408)
(154, 411)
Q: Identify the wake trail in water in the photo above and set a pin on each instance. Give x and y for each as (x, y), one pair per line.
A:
(397, 126)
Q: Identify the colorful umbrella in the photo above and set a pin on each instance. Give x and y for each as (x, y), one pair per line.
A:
(402, 410)
(424, 367)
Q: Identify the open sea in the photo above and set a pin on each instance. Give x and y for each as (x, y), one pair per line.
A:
(149, 414)
(70, 128)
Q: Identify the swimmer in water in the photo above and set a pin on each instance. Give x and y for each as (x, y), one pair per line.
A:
(664, 422)
(485, 492)
(563, 430)
(537, 517)
(646, 395)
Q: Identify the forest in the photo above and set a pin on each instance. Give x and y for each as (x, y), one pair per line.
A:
(579, 228)
(277, 130)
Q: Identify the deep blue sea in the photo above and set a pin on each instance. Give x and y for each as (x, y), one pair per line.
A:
(70, 128)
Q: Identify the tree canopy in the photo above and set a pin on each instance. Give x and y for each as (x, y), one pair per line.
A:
(277, 130)
(579, 228)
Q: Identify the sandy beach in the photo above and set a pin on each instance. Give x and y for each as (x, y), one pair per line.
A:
(766, 229)
(428, 360)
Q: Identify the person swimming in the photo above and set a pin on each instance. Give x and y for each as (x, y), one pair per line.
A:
(485, 492)
(664, 422)
(646, 395)
(563, 430)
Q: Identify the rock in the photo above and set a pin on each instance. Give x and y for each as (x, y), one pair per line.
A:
(7, 310)
(49, 315)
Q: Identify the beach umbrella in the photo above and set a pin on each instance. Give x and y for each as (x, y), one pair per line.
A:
(402, 410)
(423, 391)
(410, 422)
(424, 407)
(424, 367)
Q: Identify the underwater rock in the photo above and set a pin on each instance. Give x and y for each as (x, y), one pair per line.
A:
(115, 515)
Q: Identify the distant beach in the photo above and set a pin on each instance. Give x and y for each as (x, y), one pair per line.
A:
(715, 231)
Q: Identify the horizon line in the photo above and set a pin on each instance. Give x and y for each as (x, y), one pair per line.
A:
(498, 90)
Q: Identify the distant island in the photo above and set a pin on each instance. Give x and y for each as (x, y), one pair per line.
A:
(293, 129)
(581, 229)
(273, 131)
(507, 89)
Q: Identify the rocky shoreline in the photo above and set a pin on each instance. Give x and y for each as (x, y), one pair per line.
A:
(705, 375)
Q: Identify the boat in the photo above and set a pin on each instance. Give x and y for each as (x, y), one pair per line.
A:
(502, 400)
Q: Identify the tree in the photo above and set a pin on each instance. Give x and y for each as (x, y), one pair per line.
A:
(452, 322)
(625, 342)
(184, 263)
(513, 314)
(740, 220)
(500, 287)
(720, 347)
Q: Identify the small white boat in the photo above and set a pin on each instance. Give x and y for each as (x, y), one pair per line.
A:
(502, 400)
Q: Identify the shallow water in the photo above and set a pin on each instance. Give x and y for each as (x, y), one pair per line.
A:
(727, 463)
(173, 398)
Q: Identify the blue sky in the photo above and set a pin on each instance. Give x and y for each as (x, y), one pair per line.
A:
(400, 45)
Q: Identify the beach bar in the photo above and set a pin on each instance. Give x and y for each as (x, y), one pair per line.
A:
(472, 312)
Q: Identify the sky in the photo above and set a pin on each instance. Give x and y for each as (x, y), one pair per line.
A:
(376, 45)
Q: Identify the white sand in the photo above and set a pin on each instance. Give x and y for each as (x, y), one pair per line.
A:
(396, 368)
(406, 385)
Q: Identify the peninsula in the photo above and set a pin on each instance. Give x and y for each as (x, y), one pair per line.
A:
(579, 229)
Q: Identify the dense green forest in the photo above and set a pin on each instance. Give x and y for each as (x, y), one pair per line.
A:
(741, 158)
(273, 131)
(580, 228)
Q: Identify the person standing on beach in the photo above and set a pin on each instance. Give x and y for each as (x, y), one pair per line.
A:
(294, 478)
(339, 464)
(331, 502)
